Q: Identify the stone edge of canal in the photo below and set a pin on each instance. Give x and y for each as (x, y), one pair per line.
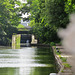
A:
(60, 66)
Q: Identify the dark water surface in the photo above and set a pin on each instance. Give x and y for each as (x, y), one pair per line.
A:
(26, 61)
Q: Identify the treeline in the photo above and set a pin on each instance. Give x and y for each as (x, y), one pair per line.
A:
(47, 16)
(9, 19)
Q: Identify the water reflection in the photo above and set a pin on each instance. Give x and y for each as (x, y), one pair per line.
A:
(26, 61)
(9, 71)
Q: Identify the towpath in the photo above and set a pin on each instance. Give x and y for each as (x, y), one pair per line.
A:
(69, 56)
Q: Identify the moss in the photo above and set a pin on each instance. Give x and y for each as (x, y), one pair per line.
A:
(16, 44)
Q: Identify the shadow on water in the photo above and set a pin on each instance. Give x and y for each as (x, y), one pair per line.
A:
(27, 61)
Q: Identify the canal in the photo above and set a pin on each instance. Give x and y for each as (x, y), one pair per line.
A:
(27, 61)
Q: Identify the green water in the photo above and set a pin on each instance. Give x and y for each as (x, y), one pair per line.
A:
(27, 61)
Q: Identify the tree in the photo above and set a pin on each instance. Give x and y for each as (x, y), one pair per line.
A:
(38, 18)
(70, 6)
(56, 17)
(47, 16)
(9, 18)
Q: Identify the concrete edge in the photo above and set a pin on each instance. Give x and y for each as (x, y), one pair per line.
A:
(60, 63)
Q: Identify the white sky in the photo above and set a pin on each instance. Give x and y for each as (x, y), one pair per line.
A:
(23, 15)
(23, 1)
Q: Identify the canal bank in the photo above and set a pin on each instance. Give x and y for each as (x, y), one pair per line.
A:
(62, 60)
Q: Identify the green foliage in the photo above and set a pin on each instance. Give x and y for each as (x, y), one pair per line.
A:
(63, 59)
(52, 44)
(70, 6)
(46, 17)
(9, 18)
(57, 15)
(20, 26)
(67, 65)
(4, 40)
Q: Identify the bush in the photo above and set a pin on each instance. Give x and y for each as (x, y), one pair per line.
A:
(5, 41)
(52, 44)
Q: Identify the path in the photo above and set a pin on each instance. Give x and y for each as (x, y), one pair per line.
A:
(70, 58)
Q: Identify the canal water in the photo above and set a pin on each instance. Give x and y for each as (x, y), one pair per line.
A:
(27, 61)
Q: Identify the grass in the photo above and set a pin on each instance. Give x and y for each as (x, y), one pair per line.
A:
(67, 65)
(63, 59)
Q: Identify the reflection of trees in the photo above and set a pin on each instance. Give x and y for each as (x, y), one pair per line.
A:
(44, 56)
(43, 70)
(9, 71)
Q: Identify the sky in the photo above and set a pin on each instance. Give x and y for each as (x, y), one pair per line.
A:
(24, 15)
(23, 1)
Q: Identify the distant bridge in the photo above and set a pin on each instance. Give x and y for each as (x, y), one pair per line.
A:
(25, 35)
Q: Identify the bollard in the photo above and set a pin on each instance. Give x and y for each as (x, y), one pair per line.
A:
(52, 73)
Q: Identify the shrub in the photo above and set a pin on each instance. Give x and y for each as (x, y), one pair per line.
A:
(52, 44)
